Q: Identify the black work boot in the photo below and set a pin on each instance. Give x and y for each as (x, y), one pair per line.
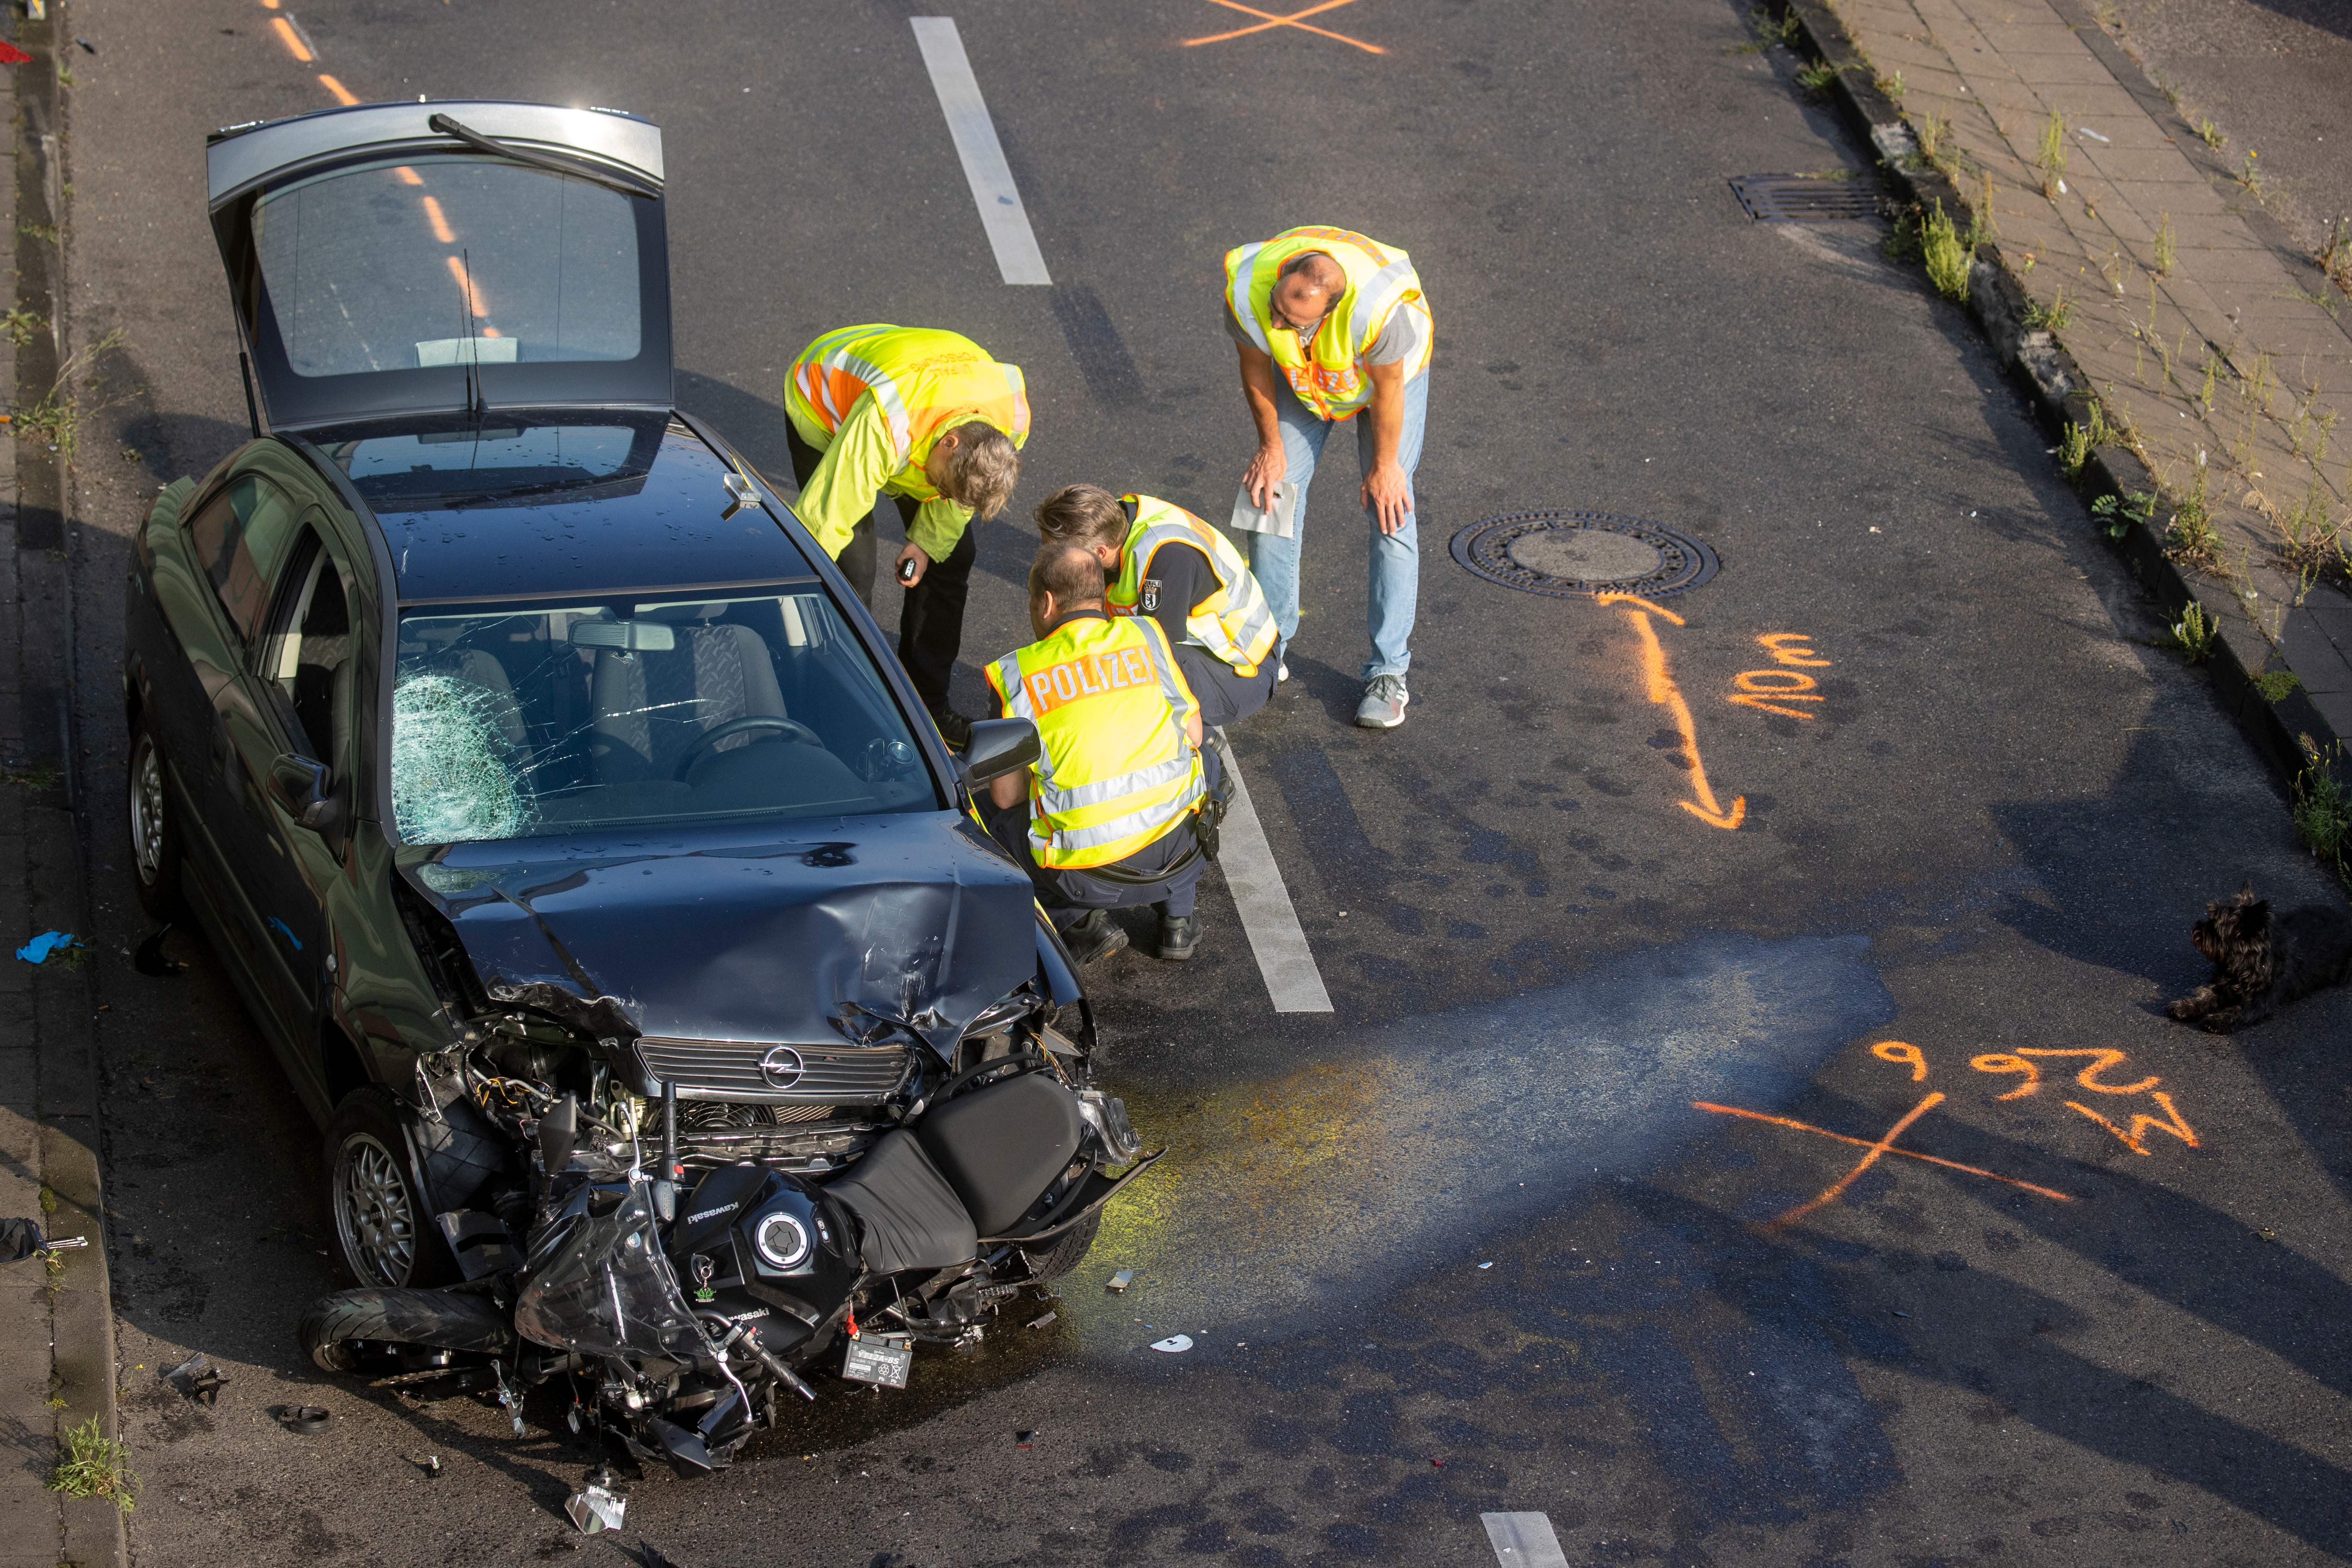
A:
(1094, 935)
(1179, 935)
(954, 728)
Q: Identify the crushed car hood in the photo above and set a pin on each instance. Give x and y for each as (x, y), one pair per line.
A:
(907, 916)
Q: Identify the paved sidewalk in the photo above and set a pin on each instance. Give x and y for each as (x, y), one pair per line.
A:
(2218, 355)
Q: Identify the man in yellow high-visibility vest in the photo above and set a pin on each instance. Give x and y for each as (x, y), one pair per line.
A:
(1104, 819)
(1331, 324)
(928, 418)
(1163, 562)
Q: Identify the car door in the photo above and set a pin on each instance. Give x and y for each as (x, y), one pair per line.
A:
(233, 546)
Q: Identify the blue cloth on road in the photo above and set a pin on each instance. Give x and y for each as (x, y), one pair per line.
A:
(1394, 575)
(37, 950)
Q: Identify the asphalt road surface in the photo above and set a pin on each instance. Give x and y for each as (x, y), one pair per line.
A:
(1547, 1216)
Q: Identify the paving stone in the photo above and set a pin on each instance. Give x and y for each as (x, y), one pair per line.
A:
(2154, 163)
(2051, 38)
(2183, 199)
(2313, 656)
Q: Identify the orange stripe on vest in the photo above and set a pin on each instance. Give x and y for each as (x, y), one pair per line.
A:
(1088, 675)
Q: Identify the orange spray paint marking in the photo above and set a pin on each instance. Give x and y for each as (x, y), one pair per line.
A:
(1866, 1144)
(291, 39)
(2143, 1125)
(2088, 1077)
(1905, 1055)
(1779, 642)
(1295, 19)
(440, 224)
(1836, 1189)
(1998, 1061)
(343, 95)
(1664, 692)
(473, 296)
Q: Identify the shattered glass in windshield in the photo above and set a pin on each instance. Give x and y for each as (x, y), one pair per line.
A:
(541, 719)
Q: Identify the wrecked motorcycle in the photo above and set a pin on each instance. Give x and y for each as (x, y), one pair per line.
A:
(682, 1269)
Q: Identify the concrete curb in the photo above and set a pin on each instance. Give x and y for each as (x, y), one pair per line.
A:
(2291, 732)
(59, 1003)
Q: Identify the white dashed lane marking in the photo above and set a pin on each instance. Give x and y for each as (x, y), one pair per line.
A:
(1001, 212)
(1267, 917)
(1524, 1540)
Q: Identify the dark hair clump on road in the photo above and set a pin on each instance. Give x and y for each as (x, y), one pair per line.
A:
(1068, 571)
(1084, 515)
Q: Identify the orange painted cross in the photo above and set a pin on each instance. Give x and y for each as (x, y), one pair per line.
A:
(1877, 1148)
(1298, 19)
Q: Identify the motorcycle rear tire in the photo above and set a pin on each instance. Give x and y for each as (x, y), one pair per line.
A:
(1069, 1249)
(437, 1320)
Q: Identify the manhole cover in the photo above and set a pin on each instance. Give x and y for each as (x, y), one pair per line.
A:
(1571, 554)
(1804, 198)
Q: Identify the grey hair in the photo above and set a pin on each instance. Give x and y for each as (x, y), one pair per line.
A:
(983, 469)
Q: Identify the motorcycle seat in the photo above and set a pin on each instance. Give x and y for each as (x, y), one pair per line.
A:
(1000, 1147)
(908, 1216)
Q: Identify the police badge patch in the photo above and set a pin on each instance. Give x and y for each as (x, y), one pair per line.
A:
(1151, 595)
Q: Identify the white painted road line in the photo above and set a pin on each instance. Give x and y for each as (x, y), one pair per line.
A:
(1524, 1540)
(1267, 917)
(1001, 213)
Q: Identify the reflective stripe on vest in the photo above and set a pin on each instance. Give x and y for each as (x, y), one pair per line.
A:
(1236, 623)
(1115, 773)
(1380, 280)
(924, 381)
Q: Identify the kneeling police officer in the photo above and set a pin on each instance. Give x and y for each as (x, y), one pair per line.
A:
(1113, 800)
(1163, 562)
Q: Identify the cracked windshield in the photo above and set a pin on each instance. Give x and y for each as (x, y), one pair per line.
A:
(534, 721)
(442, 261)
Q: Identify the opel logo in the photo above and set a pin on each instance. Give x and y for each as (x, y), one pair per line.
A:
(781, 1067)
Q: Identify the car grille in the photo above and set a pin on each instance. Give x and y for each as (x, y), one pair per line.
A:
(731, 1070)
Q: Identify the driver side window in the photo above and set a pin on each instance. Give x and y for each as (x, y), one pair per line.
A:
(305, 661)
(241, 540)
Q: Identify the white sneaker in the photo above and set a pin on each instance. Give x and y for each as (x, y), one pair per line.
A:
(1383, 704)
(1281, 671)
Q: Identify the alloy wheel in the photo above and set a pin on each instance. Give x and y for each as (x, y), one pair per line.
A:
(375, 1218)
(147, 812)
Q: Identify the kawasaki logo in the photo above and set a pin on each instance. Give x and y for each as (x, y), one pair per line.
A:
(705, 1213)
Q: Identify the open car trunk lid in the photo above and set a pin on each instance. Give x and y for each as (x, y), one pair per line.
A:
(381, 267)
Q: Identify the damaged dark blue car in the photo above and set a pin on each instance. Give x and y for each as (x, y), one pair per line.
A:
(565, 821)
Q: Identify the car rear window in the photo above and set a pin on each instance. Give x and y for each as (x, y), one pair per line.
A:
(531, 721)
(448, 260)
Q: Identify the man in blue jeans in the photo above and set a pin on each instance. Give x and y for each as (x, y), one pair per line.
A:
(1328, 325)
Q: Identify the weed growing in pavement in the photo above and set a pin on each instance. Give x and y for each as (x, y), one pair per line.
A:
(2249, 176)
(92, 1464)
(2212, 375)
(2190, 536)
(1930, 130)
(2312, 543)
(2075, 450)
(2210, 133)
(50, 1200)
(1901, 241)
(47, 231)
(1817, 78)
(2274, 684)
(1770, 31)
(2052, 317)
(56, 418)
(2336, 255)
(20, 324)
(2052, 159)
(1891, 85)
(2118, 513)
(2168, 247)
(2308, 432)
(35, 779)
(2323, 810)
(2194, 634)
(1946, 255)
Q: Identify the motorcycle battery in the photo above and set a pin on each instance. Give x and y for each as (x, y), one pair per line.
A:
(871, 1361)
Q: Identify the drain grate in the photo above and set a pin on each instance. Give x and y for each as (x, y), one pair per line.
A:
(1803, 198)
(1571, 554)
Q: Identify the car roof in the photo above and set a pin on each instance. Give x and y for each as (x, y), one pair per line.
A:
(589, 504)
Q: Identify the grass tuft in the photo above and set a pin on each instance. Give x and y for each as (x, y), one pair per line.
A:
(2323, 811)
(91, 1464)
(1817, 78)
(1946, 255)
(2052, 158)
(2052, 317)
(2210, 133)
(2195, 634)
(2250, 174)
(2073, 449)
(2274, 684)
(2118, 513)
(2167, 245)
(2336, 254)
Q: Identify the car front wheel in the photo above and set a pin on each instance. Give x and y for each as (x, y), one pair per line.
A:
(384, 1231)
(154, 835)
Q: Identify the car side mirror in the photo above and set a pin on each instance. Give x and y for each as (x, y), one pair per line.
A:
(999, 746)
(305, 788)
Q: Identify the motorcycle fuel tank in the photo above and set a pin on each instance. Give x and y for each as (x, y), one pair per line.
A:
(767, 1249)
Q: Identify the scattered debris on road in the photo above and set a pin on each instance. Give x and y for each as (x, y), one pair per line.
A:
(1117, 1283)
(594, 1509)
(195, 1378)
(42, 948)
(1174, 1344)
(307, 1419)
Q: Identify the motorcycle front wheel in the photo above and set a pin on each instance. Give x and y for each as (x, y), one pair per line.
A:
(342, 1332)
